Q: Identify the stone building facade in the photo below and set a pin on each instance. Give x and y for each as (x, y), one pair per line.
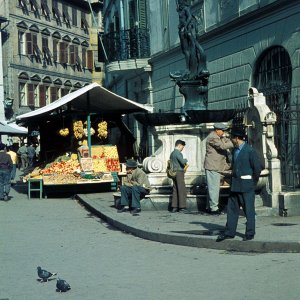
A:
(248, 43)
(47, 51)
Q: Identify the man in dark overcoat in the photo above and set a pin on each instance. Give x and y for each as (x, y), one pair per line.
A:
(246, 168)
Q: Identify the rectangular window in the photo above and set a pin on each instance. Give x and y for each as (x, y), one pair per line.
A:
(21, 38)
(64, 92)
(90, 59)
(73, 54)
(31, 42)
(63, 52)
(46, 52)
(24, 7)
(42, 92)
(74, 16)
(83, 57)
(35, 7)
(22, 94)
(56, 12)
(54, 93)
(66, 15)
(32, 94)
(84, 23)
(55, 50)
(45, 10)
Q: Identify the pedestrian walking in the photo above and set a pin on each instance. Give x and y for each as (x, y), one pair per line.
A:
(5, 173)
(22, 152)
(215, 162)
(135, 186)
(246, 168)
(179, 188)
(31, 155)
(14, 157)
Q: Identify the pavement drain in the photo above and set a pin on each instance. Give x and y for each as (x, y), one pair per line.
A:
(284, 224)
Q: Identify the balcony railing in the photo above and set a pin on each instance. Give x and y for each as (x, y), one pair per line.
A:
(126, 44)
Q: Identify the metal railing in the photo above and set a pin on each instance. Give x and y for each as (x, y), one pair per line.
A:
(126, 44)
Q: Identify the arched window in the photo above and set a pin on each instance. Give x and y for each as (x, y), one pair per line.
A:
(273, 77)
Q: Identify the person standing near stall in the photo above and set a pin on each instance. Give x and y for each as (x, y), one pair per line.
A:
(14, 158)
(179, 189)
(5, 173)
(22, 152)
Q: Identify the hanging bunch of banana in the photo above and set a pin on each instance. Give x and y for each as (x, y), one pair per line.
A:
(102, 130)
(92, 131)
(78, 129)
(64, 132)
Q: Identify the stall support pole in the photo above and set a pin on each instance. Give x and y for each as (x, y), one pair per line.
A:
(89, 125)
(89, 134)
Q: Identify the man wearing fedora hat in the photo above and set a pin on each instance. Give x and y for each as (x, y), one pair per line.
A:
(246, 168)
(135, 186)
(216, 161)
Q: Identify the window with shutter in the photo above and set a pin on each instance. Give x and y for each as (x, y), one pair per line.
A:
(90, 59)
(30, 94)
(143, 14)
(21, 44)
(74, 16)
(54, 93)
(72, 55)
(29, 45)
(63, 52)
(83, 57)
(42, 93)
(55, 51)
(22, 94)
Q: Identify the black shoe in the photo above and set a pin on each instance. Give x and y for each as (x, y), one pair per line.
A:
(135, 211)
(174, 210)
(214, 212)
(223, 237)
(184, 211)
(248, 238)
(122, 209)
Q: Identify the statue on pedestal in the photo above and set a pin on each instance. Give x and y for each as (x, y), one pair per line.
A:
(189, 39)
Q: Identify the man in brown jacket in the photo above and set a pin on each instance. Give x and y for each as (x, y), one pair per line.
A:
(215, 162)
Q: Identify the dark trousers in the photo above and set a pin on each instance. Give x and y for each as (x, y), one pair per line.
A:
(4, 183)
(246, 200)
(134, 193)
(179, 191)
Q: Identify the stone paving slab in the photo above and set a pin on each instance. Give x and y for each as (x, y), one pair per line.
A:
(273, 234)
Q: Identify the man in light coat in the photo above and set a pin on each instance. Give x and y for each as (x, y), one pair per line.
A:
(216, 161)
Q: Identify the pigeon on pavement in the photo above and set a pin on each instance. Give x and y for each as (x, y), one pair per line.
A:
(62, 285)
(44, 275)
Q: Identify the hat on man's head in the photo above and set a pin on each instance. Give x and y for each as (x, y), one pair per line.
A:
(220, 126)
(2, 146)
(131, 163)
(238, 131)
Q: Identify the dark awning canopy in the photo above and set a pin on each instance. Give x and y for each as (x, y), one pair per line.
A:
(191, 117)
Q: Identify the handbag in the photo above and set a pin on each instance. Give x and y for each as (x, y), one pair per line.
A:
(170, 171)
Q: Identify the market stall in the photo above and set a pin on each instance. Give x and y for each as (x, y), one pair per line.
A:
(76, 134)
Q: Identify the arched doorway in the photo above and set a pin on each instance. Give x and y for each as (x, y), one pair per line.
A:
(273, 77)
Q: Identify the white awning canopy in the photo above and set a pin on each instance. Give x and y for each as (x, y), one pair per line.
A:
(92, 98)
(12, 129)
